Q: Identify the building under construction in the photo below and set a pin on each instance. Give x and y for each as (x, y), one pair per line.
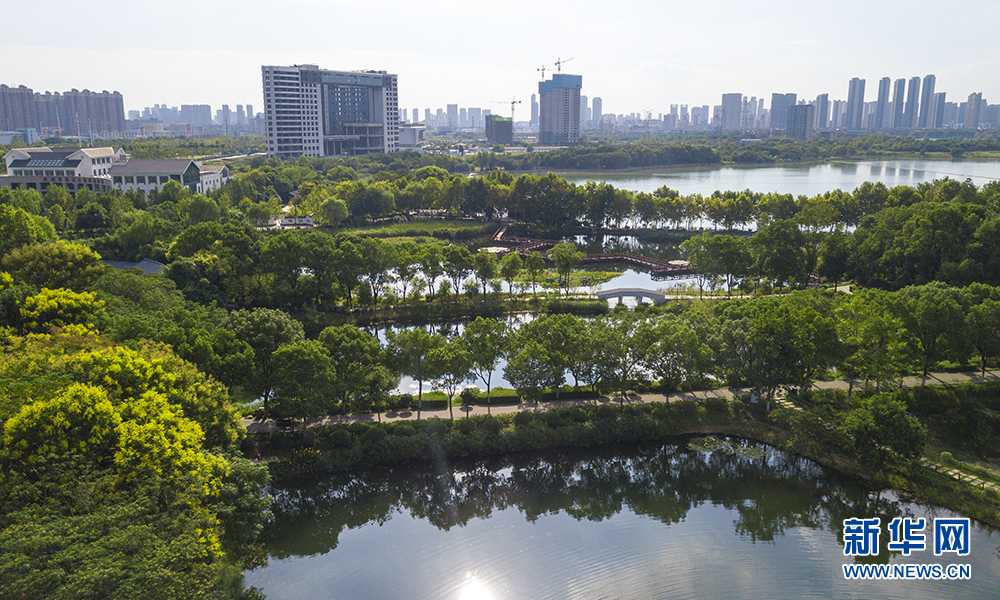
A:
(499, 130)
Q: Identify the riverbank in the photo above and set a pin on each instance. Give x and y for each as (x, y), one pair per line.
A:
(354, 442)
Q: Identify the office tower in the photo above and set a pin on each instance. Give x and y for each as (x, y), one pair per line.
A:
(596, 106)
(250, 114)
(559, 109)
(898, 102)
(855, 104)
(403, 116)
(463, 117)
(196, 115)
(926, 99)
(912, 103)
(452, 115)
(729, 114)
(882, 120)
(936, 118)
(317, 112)
(973, 110)
(779, 109)
(241, 117)
(534, 110)
(800, 122)
(822, 105)
(476, 117)
(584, 109)
(499, 130)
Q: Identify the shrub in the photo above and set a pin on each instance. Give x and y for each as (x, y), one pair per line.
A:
(523, 418)
(948, 459)
(552, 419)
(492, 425)
(577, 414)
(606, 411)
(466, 425)
(404, 430)
(374, 434)
(341, 438)
(436, 428)
(716, 404)
(688, 408)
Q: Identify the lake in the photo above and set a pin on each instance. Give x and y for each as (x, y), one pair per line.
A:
(809, 179)
(655, 521)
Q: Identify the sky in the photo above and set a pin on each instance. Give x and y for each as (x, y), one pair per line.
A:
(636, 55)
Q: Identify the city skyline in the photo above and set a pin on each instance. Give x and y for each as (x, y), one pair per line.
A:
(636, 56)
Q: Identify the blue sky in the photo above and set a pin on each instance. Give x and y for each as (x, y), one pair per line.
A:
(637, 55)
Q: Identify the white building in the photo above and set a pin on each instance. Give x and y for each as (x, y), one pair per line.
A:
(310, 111)
(559, 110)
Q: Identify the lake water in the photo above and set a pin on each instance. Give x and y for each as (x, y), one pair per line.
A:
(628, 522)
(808, 179)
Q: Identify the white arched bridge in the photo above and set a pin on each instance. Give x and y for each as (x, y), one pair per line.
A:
(637, 293)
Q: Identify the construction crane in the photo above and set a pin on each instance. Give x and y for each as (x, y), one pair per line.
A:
(512, 103)
(560, 62)
(542, 71)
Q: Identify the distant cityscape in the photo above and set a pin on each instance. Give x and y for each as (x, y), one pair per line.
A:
(319, 112)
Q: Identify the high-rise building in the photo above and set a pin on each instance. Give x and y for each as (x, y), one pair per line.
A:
(534, 111)
(855, 103)
(937, 115)
(800, 122)
(898, 102)
(597, 106)
(779, 109)
(973, 110)
(499, 130)
(926, 100)
(476, 118)
(452, 115)
(882, 104)
(74, 112)
(822, 105)
(559, 109)
(310, 111)
(732, 107)
(584, 110)
(912, 104)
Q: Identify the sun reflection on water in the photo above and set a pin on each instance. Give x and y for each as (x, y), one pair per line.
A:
(474, 589)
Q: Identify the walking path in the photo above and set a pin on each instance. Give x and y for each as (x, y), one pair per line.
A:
(785, 401)
(480, 410)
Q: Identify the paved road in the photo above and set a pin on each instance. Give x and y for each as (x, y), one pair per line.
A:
(442, 413)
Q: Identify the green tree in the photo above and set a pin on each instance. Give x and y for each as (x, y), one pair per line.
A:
(303, 378)
(566, 258)
(535, 265)
(486, 341)
(486, 268)
(57, 265)
(510, 269)
(265, 330)
(60, 308)
(458, 264)
(984, 329)
(332, 211)
(530, 371)
(452, 364)
(359, 364)
(880, 430)
(17, 229)
(409, 350)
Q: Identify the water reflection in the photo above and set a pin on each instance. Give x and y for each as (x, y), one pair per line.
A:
(587, 524)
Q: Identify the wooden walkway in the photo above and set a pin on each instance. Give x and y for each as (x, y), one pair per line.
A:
(657, 268)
